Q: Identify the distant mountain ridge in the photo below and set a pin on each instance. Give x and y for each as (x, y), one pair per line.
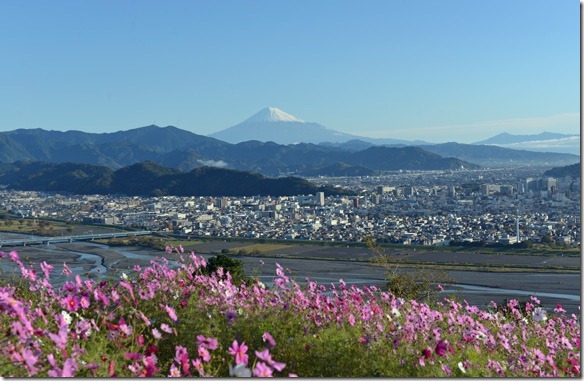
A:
(173, 147)
(543, 142)
(507, 138)
(184, 150)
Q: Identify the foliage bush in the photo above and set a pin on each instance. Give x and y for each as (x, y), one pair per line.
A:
(170, 319)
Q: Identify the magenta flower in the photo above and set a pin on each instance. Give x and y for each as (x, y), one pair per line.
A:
(30, 360)
(204, 354)
(266, 337)
(46, 268)
(351, 319)
(66, 271)
(171, 313)
(84, 302)
(69, 369)
(205, 342)
(71, 303)
(267, 357)
(262, 370)
(239, 351)
(14, 256)
(427, 353)
(441, 348)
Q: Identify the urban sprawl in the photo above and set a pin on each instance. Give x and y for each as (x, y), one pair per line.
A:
(410, 207)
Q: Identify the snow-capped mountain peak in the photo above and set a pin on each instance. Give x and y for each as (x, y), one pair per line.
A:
(272, 114)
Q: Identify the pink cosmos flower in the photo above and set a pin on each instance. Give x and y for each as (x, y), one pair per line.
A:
(262, 370)
(46, 268)
(30, 360)
(205, 342)
(71, 303)
(266, 337)
(204, 354)
(174, 371)
(239, 351)
(267, 357)
(559, 309)
(171, 313)
(66, 271)
(166, 328)
(14, 256)
(84, 302)
(351, 319)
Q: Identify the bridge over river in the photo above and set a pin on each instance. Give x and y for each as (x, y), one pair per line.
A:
(38, 240)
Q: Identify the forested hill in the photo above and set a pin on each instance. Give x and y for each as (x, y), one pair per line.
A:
(151, 179)
(573, 171)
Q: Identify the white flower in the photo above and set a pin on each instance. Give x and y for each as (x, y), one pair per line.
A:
(67, 317)
(239, 370)
(461, 367)
(539, 314)
(261, 285)
(388, 316)
(395, 312)
(124, 276)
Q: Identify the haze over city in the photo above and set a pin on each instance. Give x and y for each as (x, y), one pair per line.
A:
(438, 71)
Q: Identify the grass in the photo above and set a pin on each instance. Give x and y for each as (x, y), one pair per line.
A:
(259, 248)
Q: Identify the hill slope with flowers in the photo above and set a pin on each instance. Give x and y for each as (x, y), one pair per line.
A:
(170, 319)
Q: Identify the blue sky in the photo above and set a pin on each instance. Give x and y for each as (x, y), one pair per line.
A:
(433, 70)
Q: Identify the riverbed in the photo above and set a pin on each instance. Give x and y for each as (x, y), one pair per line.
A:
(93, 260)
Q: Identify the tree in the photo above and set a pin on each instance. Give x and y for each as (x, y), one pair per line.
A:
(234, 266)
(547, 239)
(420, 284)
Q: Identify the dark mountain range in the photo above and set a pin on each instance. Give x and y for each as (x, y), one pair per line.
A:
(574, 171)
(412, 158)
(150, 179)
(184, 150)
(176, 148)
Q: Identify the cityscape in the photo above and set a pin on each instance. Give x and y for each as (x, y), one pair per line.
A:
(409, 208)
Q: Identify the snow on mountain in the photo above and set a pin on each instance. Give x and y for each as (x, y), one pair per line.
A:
(272, 114)
(273, 124)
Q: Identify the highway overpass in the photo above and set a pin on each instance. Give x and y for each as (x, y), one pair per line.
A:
(38, 240)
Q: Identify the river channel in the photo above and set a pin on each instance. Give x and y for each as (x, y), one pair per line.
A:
(94, 260)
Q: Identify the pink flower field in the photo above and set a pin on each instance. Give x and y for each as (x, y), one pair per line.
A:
(171, 320)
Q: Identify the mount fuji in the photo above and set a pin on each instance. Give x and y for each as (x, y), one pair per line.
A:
(273, 124)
